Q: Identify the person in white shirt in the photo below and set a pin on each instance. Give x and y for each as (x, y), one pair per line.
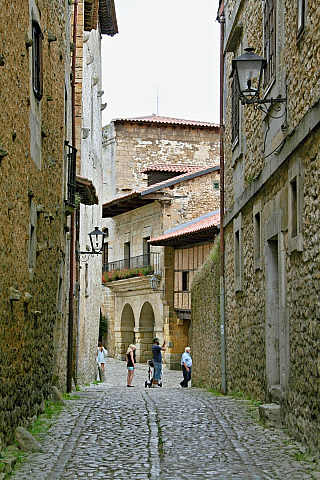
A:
(186, 363)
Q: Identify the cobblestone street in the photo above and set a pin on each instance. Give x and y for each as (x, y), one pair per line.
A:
(115, 432)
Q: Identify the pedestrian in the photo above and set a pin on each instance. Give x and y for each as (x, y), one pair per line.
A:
(101, 357)
(157, 361)
(186, 363)
(131, 363)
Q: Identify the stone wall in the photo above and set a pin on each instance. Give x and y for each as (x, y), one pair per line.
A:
(205, 322)
(272, 312)
(89, 140)
(128, 148)
(32, 217)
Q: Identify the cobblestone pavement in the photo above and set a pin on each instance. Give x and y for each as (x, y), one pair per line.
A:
(115, 432)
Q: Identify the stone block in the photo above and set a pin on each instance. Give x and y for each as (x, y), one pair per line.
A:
(270, 413)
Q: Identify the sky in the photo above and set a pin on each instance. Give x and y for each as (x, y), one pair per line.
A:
(165, 49)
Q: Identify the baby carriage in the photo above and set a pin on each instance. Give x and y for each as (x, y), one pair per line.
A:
(148, 382)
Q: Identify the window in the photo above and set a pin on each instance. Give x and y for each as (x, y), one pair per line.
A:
(295, 199)
(126, 254)
(235, 111)
(294, 208)
(237, 228)
(300, 16)
(257, 235)
(37, 78)
(146, 252)
(105, 256)
(185, 281)
(237, 253)
(269, 50)
(32, 240)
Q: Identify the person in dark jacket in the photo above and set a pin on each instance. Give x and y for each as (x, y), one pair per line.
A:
(157, 360)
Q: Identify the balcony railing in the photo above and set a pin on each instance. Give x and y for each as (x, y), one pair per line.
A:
(141, 261)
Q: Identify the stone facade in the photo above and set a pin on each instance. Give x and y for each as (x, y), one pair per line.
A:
(205, 323)
(271, 220)
(135, 312)
(131, 146)
(89, 145)
(33, 245)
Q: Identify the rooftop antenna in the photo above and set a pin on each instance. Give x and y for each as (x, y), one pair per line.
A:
(157, 100)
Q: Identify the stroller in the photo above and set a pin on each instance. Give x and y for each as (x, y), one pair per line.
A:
(148, 382)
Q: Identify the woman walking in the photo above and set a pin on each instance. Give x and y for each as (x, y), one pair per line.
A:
(131, 363)
(101, 357)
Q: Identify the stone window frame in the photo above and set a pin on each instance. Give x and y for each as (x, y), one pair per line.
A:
(269, 42)
(238, 255)
(32, 247)
(295, 205)
(37, 61)
(301, 17)
(235, 106)
(257, 232)
(185, 281)
(236, 110)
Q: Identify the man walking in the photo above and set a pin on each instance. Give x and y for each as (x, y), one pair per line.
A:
(157, 361)
(186, 362)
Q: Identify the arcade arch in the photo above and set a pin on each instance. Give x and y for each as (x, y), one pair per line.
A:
(126, 334)
(145, 333)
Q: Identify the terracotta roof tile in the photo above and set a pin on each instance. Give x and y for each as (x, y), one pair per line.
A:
(167, 121)
(162, 167)
(204, 222)
(87, 191)
(143, 192)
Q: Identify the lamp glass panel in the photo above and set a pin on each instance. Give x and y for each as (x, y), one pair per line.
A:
(249, 73)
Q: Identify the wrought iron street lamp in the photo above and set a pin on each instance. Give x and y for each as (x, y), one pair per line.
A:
(154, 283)
(248, 69)
(96, 241)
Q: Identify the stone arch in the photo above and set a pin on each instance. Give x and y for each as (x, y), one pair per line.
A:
(145, 332)
(126, 334)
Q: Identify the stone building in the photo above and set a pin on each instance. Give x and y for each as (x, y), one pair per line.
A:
(95, 19)
(186, 249)
(163, 174)
(271, 218)
(39, 181)
(35, 98)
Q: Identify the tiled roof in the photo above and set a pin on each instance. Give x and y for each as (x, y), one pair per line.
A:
(201, 228)
(107, 17)
(138, 198)
(167, 121)
(87, 191)
(162, 167)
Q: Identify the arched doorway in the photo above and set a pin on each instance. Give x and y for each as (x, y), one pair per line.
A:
(126, 334)
(146, 331)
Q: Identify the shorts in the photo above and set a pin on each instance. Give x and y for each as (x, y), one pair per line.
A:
(130, 368)
(157, 370)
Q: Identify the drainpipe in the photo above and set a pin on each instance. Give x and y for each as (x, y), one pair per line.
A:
(72, 228)
(221, 20)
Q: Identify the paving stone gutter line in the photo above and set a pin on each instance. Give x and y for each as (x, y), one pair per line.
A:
(68, 448)
(154, 436)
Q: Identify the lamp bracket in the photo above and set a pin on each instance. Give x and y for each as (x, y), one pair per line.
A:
(261, 104)
(84, 256)
(245, 101)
